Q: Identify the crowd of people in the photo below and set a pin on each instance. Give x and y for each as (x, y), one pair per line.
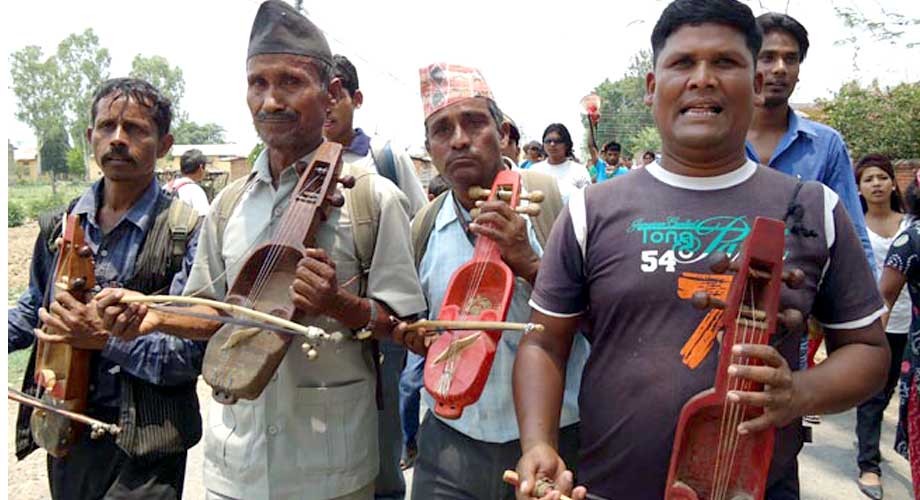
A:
(590, 403)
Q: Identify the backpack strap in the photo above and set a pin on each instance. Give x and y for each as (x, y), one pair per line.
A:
(423, 224)
(174, 185)
(550, 207)
(226, 201)
(364, 212)
(386, 162)
(181, 221)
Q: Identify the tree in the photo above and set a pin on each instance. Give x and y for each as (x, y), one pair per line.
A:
(647, 140)
(56, 93)
(624, 115)
(76, 162)
(40, 98)
(884, 26)
(86, 66)
(38, 88)
(10, 160)
(53, 155)
(189, 132)
(168, 80)
(877, 120)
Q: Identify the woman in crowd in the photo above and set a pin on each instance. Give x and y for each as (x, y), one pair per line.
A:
(560, 163)
(903, 266)
(883, 207)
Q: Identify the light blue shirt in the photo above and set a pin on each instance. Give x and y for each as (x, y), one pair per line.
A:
(600, 167)
(492, 418)
(815, 152)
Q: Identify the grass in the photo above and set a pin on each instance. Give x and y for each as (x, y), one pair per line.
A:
(36, 198)
(17, 366)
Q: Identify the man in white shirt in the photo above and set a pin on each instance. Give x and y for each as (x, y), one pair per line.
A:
(393, 163)
(192, 165)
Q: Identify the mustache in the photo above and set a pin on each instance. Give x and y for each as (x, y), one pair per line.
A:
(459, 156)
(118, 155)
(277, 116)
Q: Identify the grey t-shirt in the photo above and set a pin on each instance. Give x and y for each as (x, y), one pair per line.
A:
(626, 254)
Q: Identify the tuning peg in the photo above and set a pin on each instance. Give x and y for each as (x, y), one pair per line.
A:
(347, 181)
(85, 252)
(533, 196)
(337, 200)
(794, 278)
(478, 193)
(720, 262)
(59, 243)
(532, 210)
(78, 284)
(702, 300)
(793, 320)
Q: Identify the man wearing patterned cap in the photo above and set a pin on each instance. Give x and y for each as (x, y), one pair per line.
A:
(312, 433)
(464, 131)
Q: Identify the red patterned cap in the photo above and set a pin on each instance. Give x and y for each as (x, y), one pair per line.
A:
(444, 84)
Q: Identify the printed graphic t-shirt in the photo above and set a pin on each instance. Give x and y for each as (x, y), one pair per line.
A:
(571, 176)
(626, 254)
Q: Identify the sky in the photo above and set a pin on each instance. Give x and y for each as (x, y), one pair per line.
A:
(539, 58)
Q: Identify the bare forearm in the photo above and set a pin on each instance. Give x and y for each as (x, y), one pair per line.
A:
(538, 381)
(186, 326)
(851, 374)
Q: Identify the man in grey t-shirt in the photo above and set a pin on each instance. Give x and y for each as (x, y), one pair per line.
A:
(626, 253)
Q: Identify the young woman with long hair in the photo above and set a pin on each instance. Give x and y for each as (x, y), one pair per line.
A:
(895, 241)
(901, 266)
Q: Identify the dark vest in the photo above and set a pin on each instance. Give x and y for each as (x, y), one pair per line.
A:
(155, 420)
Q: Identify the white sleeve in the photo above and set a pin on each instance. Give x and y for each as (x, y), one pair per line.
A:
(194, 195)
(409, 182)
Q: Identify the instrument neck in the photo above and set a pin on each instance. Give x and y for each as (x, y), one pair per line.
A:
(486, 250)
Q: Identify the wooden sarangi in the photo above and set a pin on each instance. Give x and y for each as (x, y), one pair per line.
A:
(459, 361)
(62, 371)
(710, 459)
(239, 362)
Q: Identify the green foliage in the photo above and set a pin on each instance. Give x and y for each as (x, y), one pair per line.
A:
(85, 65)
(876, 120)
(41, 205)
(16, 215)
(885, 26)
(38, 86)
(36, 198)
(647, 140)
(53, 152)
(168, 80)
(189, 132)
(18, 361)
(624, 115)
(256, 151)
(55, 93)
(76, 162)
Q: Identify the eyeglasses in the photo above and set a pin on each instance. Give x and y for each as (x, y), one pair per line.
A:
(552, 141)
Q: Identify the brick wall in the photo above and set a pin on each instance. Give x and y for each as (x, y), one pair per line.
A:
(906, 171)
